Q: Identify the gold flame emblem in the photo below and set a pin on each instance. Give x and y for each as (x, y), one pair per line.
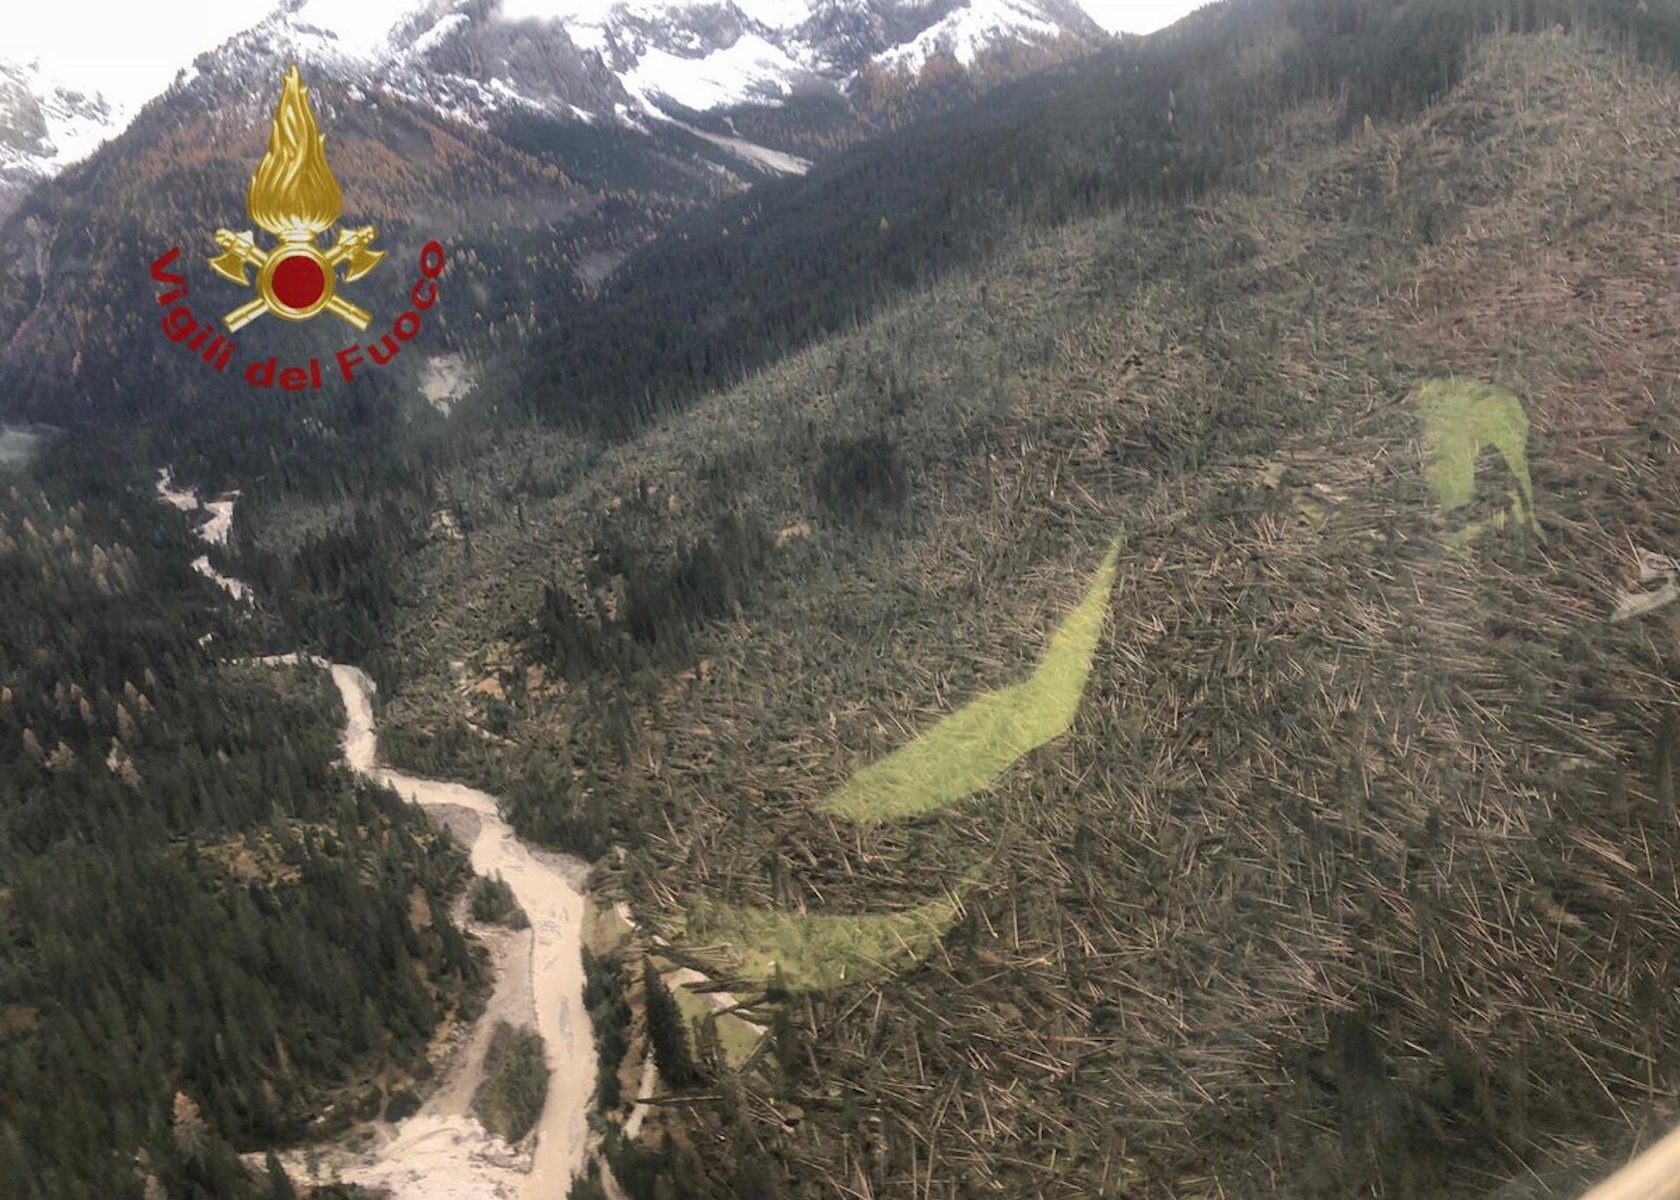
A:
(294, 196)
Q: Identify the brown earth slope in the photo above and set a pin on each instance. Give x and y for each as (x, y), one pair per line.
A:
(1356, 874)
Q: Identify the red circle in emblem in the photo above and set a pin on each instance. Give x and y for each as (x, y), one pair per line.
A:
(298, 281)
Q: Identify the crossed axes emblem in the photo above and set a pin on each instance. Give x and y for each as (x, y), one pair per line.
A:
(296, 280)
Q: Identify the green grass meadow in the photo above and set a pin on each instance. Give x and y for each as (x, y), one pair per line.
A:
(968, 750)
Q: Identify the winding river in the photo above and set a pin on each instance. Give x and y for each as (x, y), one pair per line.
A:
(442, 1152)
(442, 1156)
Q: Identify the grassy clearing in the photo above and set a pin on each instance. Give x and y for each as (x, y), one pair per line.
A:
(968, 750)
(737, 1037)
(816, 952)
(1461, 418)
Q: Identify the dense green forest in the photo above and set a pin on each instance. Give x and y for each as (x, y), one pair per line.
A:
(212, 938)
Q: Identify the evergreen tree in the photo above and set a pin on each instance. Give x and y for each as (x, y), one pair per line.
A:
(279, 1183)
(667, 1031)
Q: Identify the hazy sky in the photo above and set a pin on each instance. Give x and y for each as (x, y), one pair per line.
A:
(1138, 16)
(131, 51)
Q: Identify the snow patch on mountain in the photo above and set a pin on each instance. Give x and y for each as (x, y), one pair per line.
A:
(437, 35)
(571, 56)
(771, 162)
(47, 123)
(967, 32)
(776, 14)
(751, 70)
(358, 30)
(629, 62)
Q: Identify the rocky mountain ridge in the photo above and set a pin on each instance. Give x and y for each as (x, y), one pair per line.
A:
(634, 64)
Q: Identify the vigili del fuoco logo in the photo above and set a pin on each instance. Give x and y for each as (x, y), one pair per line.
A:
(294, 198)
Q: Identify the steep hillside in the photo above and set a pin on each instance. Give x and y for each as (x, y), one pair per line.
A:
(1148, 121)
(78, 308)
(1355, 871)
(742, 282)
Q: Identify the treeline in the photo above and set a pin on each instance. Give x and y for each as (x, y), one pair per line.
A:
(644, 611)
(609, 1012)
(1388, 59)
(543, 805)
(210, 934)
(1150, 121)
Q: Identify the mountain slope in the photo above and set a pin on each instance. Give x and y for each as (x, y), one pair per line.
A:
(531, 154)
(1354, 873)
(759, 275)
(624, 64)
(1153, 120)
(45, 125)
(631, 61)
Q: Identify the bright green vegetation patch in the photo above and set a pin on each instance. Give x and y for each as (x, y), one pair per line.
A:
(510, 1099)
(816, 952)
(971, 748)
(1461, 418)
(737, 1036)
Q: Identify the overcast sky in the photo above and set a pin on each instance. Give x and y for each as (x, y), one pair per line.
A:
(1138, 16)
(131, 51)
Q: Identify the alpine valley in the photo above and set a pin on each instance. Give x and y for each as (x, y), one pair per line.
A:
(922, 603)
(544, 141)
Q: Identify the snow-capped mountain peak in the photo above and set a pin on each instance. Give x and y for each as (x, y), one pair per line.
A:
(970, 29)
(619, 61)
(48, 123)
